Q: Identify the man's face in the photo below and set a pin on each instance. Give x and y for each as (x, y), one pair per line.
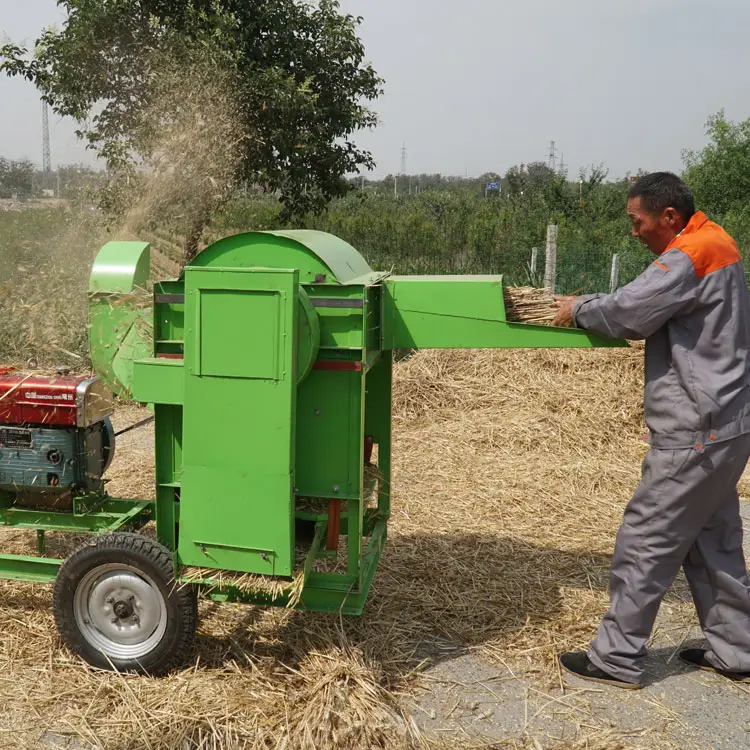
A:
(655, 231)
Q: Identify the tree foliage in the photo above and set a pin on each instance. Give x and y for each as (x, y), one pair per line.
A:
(295, 70)
(16, 178)
(719, 174)
(453, 226)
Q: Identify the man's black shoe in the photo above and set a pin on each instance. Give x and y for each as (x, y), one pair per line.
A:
(577, 663)
(696, 657)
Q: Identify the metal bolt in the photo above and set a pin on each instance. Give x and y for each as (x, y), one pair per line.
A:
(336, 488)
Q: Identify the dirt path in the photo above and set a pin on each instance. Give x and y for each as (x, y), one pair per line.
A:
(468, 698)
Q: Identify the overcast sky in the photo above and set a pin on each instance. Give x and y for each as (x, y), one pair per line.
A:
(481, 85)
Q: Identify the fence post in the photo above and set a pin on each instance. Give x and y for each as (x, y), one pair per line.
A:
(614, 277)
(534, 260)
(550, 270)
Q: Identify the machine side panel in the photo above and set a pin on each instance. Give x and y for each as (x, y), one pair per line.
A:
(159, 381)
(169, 317)
(378, 411)
(236, 500)
(168, 444)
(340, 311)
(255, 348)
(373, 315)
(465, 312)
(329, 434)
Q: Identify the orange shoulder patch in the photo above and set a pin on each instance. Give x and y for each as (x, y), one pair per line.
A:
(710, 249)
(661, 265)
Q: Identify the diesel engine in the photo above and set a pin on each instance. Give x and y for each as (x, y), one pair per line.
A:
(56, 438)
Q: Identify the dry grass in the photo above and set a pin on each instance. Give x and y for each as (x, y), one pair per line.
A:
(45, 257)
(519, 464)
(511, 470)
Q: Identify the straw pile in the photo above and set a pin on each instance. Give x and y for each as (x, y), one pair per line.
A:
(511, 471)
(527, 304)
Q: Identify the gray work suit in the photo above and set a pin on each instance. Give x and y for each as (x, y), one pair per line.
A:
(693, 309)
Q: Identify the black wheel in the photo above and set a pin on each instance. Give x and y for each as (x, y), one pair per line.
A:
(117, 605)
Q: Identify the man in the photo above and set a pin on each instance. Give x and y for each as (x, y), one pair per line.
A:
(693, 309)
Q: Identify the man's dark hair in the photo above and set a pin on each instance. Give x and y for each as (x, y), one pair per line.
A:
(661, 190)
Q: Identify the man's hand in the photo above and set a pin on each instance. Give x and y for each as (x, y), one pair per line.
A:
(564, 317)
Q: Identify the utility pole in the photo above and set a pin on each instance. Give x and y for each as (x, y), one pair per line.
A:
(614, 276)
(46, 158)
(550, 269)
(402, 170)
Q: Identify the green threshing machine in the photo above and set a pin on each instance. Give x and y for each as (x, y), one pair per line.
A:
(268, 366)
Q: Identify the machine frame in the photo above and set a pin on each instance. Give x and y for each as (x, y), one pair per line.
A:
(268, 366)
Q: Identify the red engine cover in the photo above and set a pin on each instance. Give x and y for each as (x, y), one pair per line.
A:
(38, 400)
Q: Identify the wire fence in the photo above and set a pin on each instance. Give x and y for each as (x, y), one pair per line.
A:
(587, 272)
(577, 270)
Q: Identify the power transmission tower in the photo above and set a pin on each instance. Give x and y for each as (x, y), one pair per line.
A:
(552, 156)
(46, 158)
(562, 163)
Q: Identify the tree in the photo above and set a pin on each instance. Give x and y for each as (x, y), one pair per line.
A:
(719, 174)
(78, 181)
(535, 176)
(279, 85)
(16, 178)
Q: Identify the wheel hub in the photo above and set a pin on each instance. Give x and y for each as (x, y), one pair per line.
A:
(123, 610)
(120, 611)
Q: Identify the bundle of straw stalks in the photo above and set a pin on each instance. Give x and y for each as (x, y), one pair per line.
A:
(527, 304)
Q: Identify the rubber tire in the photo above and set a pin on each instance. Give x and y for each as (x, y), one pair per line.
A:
(155, 560)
